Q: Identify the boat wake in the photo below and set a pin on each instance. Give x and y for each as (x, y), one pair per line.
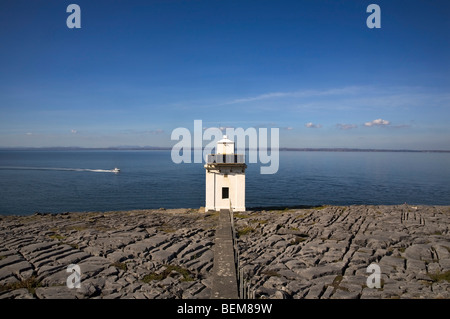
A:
(115, 170)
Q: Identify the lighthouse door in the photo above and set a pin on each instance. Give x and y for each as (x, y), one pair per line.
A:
(225, 192)
(226, 197)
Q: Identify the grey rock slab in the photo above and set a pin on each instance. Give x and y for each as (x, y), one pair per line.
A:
(33, 248)
(339, 235)
(157, 240)
(18, 243)
(264, 293)
(110, 271)
(118, 256)
(21, 293)
(192, 290)
(363, 256)
(296, 286)
(331, 257)
(442, 251)
(96, 250)
(178, 247)
(141, 234)
(272, 240)
(146, 245)
(5, 273)
(18, 268)
(11, 279)
(25, 273)
(281, 244)
(113, 285)
(71, 257)
(360, 240)
(56, 292)
(371, 293)
(93, 265)
(398, 263)
(315, 291)
(6, 252)
(134, 287)
(444, 264)
(351, 287)
(194, 254)
(167, 282)
(344, 294)
(440, 290)
(162, 256)
(415, 266)
(58, 278)
(114, 295)
(328, 292)
(275, 282)
(419, 252)
(287, 273)
(11, 259)
(434, 268)
(139, 295)
(320, 271)
(87, 290)
(203, 294)
(51, 255)
(295, 264)
(206, 257)
(376, 242)
(355, 279)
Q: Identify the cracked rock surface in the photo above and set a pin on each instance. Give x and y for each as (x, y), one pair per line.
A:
(133, 254)
(324, 252)
(317, 252)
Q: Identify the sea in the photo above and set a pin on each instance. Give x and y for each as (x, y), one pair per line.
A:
(60, 181)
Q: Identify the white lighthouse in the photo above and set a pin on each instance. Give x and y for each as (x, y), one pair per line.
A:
(225, 178)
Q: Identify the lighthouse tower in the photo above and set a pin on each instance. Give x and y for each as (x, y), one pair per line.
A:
(225, 178)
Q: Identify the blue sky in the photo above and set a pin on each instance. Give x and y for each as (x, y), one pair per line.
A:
(136, 70)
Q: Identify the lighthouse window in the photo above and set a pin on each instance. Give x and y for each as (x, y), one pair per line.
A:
(225, 192)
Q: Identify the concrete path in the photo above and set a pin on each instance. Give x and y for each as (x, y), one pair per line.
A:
(224, 281)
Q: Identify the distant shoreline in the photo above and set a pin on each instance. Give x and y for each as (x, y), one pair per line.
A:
(154, 148)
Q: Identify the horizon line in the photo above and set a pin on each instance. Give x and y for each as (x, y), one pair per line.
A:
(162, 148)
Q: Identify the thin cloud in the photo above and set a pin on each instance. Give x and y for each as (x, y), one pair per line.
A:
(377, 122)
(261, 97)
(222, 128)
(312, 125)
(346, 126)
(400, 126)
(155, 132)
(141, 132)
(304, 93)
(73, 131)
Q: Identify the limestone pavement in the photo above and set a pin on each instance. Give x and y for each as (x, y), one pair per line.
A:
(315, 252)
(135, 254)
(324, 252)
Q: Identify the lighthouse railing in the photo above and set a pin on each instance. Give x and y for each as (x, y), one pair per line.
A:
(244, 288)
(226, 159)
(235, 249)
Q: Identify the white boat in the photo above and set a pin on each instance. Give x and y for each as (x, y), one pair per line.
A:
(115, 170)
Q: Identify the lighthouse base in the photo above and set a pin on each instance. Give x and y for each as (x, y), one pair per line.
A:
(225, 187)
